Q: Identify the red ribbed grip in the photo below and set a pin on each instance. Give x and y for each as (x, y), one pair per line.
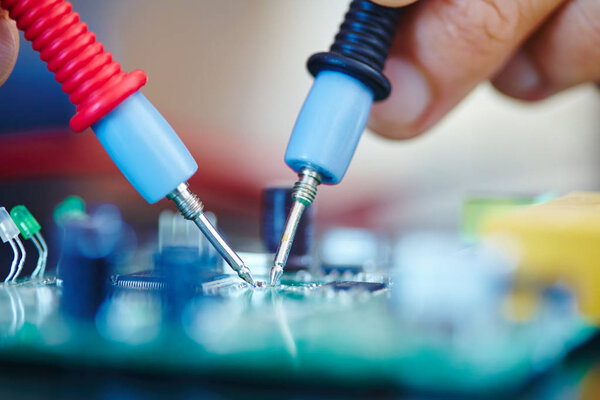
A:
(94, 82)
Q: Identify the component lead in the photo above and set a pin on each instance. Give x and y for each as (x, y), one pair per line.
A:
(13, 265)
(9, 232)
(38, 265)
(14, 277)
(42, 242)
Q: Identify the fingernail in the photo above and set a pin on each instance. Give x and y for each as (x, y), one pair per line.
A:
(8, 47)
(408, 101)
(522, 79)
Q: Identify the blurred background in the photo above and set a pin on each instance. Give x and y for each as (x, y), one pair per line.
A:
(230, 77)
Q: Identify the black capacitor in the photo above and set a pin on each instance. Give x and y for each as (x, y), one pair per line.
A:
(276, 205)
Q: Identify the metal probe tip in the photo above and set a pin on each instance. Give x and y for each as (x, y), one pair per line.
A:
(303, 194)
(276, 273)
(192, 209)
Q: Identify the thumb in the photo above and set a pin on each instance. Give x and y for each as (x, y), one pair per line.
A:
(9, 45)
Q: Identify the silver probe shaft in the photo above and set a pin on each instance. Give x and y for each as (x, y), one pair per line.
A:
(192, 208)
(303, 194)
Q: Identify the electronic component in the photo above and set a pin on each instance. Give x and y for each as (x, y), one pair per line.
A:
(30, 229)
(348, 79)
(71, 208)
(557, 242)
(276, 205)
(145, 280)
(437, 280)
(185, 256)
(9, 232)
(154, 280)
(84, 267)
(176, 232)
(359, 286)
(350, 249)
(184, 265)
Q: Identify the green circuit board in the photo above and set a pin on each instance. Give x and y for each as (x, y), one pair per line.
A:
(323, 331)
(435, 314)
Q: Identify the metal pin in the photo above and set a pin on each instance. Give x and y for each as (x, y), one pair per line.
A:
(192, 208)
(303, 194)
(21, 261)
(38, 265)
(42, 242)
(13, 265)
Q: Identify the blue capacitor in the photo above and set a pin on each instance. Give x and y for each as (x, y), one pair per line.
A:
(329, 125)
(145, 148)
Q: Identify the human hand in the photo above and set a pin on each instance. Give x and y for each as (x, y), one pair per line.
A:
(529, 49)
(9, 45)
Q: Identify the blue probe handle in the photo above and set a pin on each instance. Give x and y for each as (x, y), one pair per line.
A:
(348, 79)
(329, 125)
(145, 148)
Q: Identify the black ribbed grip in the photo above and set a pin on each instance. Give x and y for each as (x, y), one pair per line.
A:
(361, 46)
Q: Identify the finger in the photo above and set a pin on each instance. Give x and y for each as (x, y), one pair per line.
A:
(563, 53)
(9, 45)
(393, 3)
(443, 49)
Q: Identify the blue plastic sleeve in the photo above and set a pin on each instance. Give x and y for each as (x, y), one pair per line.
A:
(329, 125)
(145, 148)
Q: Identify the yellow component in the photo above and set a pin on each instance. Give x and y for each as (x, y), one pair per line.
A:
(557, 241)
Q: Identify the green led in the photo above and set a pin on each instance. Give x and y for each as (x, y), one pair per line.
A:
(72, 207)
(27, 224)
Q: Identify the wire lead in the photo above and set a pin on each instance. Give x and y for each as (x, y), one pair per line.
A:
(40, 238)
(38, 265)
(21, 261)
(13, 265)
